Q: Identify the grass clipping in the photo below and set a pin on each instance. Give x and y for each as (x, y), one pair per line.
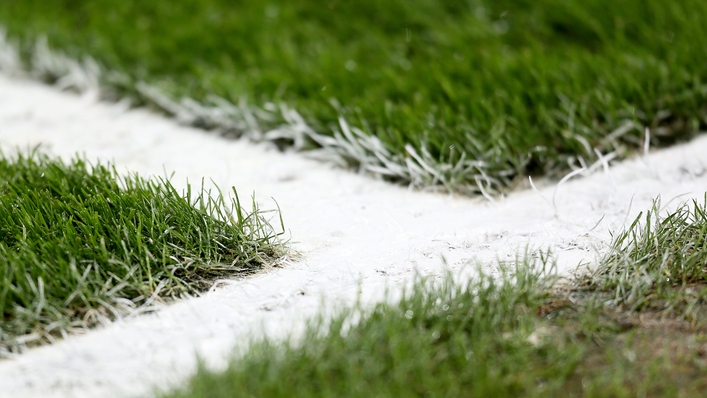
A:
(80, 245)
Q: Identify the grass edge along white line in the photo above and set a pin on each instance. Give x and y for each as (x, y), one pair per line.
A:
(249, 225)
(565, 187)
(349, 147)
(533, 269)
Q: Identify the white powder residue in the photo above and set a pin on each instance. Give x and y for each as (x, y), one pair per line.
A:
(354, 236)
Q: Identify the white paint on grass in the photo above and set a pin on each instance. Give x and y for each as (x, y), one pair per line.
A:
(354, 235)
(348, 146)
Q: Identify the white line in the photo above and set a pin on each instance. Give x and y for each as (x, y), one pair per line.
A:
(355, 236)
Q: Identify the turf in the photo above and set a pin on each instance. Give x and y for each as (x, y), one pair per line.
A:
(80, 244)
(660, 261)
(440, 340)
(523, 333)
(520, 86)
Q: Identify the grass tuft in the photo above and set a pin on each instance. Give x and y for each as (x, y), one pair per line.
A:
(80, 244)
(658, 259)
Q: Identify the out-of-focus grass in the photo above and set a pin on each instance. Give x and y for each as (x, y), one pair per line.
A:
(440, 340)
(522, 85)
(80, 244)
(634, 327)
(660, 261)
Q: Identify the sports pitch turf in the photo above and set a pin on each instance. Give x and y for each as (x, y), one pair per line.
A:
(635, 327)
(520, 87)
(80, 245)
(515, 86)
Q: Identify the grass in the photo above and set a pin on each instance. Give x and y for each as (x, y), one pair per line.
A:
(659, 262)
(80, 244)
(439, 340)
(512, 87)
(523, 334)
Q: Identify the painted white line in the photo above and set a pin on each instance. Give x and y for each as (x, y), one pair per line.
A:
(353, 234)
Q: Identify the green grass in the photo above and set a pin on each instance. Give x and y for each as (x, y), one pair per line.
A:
(440, 340)
(80, 244)
(521, 334)
(660, 261)
(521, 86)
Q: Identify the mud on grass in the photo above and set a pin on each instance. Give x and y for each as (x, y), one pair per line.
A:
(642, 313)
(657, 351)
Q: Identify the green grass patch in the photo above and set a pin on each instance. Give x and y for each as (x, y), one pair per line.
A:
(634, 327)
(520, 86)
(439, 340)
(80, 244)
(660, 260)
